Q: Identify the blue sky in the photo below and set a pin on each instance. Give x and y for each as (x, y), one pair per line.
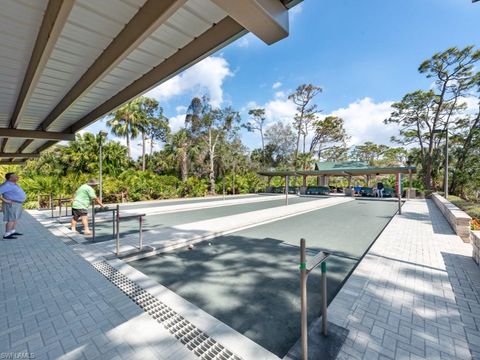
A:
(364, 54)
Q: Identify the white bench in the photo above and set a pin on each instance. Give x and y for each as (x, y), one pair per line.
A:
(458, 219)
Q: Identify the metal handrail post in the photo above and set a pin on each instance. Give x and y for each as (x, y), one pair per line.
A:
(303, 285)
(117, 241)
(113, 222)
(324, 299)
(93, 220)
(140, 235)
(305, 270)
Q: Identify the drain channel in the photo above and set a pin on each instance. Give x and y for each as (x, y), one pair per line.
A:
(193, 338)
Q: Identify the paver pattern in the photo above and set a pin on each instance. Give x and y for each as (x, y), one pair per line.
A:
(54, 304)
(415, 295)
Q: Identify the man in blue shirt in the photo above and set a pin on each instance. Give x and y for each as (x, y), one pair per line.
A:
(12, 197)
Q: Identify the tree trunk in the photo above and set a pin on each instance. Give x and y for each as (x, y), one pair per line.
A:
(296, 149)
(211, 175)
(211, 152)
(129, 153)
(151, 145)
(263, 147)
(184, 165)
(144, 139)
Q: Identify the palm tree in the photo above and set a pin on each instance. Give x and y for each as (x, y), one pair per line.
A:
(126, 121)
(179, 146)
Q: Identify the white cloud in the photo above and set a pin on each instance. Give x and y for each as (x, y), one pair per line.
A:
(363, 118)
(364, 121)
(181, 109)
(472, 104)
(280, 95)
(177, 122)
(205, 77)
(276, 85)
(282, 110)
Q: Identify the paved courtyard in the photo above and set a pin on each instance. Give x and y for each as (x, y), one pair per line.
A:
(415, 295)
(54, 304)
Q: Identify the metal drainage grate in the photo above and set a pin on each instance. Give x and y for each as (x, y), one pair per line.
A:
(193, 338)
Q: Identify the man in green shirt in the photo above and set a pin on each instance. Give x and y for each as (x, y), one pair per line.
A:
(81, 202)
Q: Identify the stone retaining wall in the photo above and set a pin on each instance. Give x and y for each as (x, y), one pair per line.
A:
(458, 219)
(475, 240)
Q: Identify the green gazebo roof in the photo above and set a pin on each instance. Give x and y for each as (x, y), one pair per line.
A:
(346, 168)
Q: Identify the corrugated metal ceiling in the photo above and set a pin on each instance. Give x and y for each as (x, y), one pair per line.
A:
(87, 32)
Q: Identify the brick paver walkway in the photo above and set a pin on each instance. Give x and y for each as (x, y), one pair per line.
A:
(415, 295)
(54, 304)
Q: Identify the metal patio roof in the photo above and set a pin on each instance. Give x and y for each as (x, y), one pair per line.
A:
(346, 168)
(66, 63)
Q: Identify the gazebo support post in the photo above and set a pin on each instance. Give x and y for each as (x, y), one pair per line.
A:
(409, 183)
(287, 180)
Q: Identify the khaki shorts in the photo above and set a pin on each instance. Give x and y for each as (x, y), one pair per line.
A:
(11, 212)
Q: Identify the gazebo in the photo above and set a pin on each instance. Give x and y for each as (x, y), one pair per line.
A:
(349, 169)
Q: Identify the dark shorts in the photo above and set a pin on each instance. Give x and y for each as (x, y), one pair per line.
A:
(78, 213)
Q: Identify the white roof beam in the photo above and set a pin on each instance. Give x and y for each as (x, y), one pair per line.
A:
(150, 16)
(18, 155)
(35, 134)
(224, 32)
(53, 22)
(267, 19)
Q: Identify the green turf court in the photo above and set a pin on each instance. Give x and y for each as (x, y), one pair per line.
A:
(129, 227)
(169, 202)
(250, 279)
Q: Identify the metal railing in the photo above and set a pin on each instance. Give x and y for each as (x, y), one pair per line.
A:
(116, 218)
(61, 200)
(140, 229)
(103, 210)
(305, 270)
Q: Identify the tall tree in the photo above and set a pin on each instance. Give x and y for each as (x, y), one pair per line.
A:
(328, 133)
(257, 123)
(305, 115)
(468, 140)
(178, 146)
(369, 152)
(423, 114)
(157, 129)
(147, 109)
(126, 122)
(280, 144)
(212, 126)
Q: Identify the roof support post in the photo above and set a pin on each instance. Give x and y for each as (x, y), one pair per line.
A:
(409, 183)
